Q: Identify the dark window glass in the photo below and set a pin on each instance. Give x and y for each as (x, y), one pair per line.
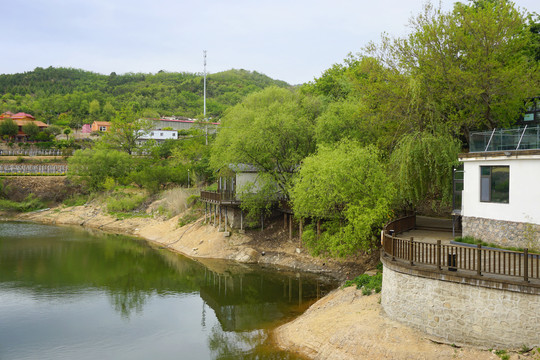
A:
(495, 184)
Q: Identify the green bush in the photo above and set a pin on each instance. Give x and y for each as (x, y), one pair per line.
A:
(75, 200)
(30, 203)
(367, 283)
(122, 202)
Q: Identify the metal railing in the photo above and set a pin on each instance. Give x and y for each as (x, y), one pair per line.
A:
(526, 138)
(475, 260)
(33, 169)
(26, 152)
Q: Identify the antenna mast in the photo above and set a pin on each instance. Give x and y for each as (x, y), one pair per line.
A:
(204, 101)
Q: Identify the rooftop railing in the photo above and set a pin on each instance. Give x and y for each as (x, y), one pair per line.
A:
(526, 138)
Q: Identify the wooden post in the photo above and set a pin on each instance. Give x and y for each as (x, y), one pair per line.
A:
(215, 214)
(439, 255)
(290, 227)
(411, 251)
(526, 264)
(392, 248)
(241, 219)
(284, 221)
(479, 259)
(226, 213)
(301, 225)
(219, 219)
(205, 211)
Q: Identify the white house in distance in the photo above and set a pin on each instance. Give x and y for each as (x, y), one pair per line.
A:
(501, 187)
(158, 135)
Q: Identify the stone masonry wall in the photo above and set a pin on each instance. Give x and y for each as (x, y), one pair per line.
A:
(504, 233)
(462, 314)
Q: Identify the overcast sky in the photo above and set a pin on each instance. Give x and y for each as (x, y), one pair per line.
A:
(290, 40)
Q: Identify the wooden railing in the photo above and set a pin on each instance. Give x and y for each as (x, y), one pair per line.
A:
(217, 196)
(476, 260)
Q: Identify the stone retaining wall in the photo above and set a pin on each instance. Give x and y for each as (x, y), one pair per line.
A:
(504, 233)
(458, 313)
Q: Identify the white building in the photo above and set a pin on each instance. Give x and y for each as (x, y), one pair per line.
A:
(501, 192)
(158, 135)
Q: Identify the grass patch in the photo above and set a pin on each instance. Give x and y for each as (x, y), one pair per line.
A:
(367, 283)
(75, 200)
(189, 217)
(30, 203)
(124, 202)
(502, 354)
(474, 241)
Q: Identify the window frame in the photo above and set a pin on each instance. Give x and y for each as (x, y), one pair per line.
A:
(487, 180)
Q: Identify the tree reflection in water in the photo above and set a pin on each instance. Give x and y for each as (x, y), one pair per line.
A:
(239, 303)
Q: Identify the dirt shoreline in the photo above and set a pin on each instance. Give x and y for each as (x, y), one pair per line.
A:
(342, 325)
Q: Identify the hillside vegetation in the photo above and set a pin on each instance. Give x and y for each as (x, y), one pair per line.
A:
(72, 96)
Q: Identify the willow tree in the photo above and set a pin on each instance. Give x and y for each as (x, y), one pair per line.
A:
(421, 165)
(347, 186)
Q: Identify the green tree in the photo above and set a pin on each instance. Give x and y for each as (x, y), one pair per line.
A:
(53, 130)
(94, 109)
(348, 186)
(66, 132)
(31, 130)
(127, 128)
(93, 167)
(422, 167)
(9, 128)
(272, 130)
(108, 111)
(468, 68)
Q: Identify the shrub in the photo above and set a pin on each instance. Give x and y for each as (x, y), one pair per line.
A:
(30, 203)
(122, 202)
(367, 283)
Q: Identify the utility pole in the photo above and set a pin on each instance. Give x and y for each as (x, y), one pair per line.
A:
(204, 103)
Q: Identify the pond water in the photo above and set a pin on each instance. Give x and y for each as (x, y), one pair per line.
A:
(66, 293)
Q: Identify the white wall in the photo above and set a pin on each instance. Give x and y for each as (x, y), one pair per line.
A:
(160, 135)
(524, 194)
(245, 178)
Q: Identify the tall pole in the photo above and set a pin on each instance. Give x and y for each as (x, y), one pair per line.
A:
(204, 102)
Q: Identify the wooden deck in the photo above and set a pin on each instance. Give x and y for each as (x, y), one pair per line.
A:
(477, 261)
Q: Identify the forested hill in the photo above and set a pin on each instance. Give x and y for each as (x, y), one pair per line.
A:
(75, 96)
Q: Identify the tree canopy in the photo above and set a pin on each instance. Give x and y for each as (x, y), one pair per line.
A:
(272, 130)
(347, 185)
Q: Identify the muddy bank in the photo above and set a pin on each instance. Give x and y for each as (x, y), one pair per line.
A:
(198, 240)
(347, 325)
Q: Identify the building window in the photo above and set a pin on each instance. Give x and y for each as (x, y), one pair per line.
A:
(102, 128)
(495, 184)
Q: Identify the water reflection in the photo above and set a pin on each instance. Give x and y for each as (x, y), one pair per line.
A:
(63, 278)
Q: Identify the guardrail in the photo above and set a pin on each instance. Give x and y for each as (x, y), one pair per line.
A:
(26, 152)
(477, 260)
(32, 169)
(216, 196)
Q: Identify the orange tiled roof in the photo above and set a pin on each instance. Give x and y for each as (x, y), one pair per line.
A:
(25, 122)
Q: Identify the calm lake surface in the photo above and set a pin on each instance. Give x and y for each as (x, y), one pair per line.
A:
(68, 294)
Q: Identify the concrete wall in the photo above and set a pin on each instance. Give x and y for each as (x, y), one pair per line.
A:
(461, 313)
